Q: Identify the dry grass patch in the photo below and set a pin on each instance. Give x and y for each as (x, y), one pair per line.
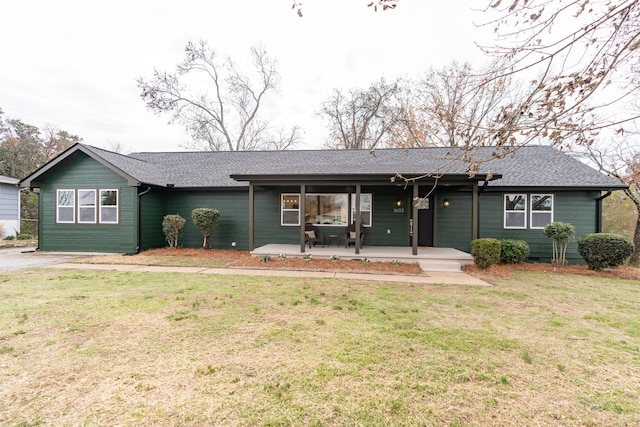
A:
(113, 348)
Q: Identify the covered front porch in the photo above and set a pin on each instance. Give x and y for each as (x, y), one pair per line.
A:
(429, 258)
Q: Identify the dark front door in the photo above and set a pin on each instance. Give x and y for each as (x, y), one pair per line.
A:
(425, 224)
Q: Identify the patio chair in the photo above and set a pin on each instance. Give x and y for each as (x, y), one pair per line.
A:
(351, 236)
(312, 235)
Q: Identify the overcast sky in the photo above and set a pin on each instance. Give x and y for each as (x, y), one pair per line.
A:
(73, 64)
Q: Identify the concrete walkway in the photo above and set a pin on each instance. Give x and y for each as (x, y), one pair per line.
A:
(450, 278)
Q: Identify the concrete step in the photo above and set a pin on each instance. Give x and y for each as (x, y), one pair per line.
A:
(440, 265)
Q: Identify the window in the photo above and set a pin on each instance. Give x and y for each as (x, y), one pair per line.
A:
(108, 206)
(86, 206)
(326, 209)
(290, 209)
(65, 206)
(515, 211)
(365, 208)
(541, 210)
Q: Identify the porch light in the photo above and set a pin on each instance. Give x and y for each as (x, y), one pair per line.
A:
(398, 203)
(446, 203)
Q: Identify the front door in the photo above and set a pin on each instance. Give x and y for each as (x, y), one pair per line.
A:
(425, 223)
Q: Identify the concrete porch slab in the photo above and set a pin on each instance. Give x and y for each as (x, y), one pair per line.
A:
(430, 259)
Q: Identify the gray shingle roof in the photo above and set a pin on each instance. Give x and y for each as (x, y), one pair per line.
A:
(530, 166)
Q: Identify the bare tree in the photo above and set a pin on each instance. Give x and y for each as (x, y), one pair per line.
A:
(581, 57)
(224, 116)
(620, 159)
(450, 107)
(382, 4)
(362, 119)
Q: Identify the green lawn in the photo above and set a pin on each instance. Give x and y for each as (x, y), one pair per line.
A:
(108, 348)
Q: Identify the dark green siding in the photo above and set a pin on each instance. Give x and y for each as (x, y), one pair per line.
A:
(234, 219)
(267, 216)
(82, 172)
(152, 210)
(576, 207)
(453, 224)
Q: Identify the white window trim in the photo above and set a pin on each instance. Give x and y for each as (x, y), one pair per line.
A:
(350, 201)
(531, 211)
(116, 206)
(73, 207)
(95, 205)
(329, 194)
(505, 211)
(283, 210)
(353, 208)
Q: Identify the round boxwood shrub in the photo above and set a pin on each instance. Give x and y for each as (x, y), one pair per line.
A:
(513, 251)
(602, 250)
(485, 252)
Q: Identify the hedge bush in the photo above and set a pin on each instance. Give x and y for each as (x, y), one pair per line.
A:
(513, 251)
(485, 252)
(24, 236)
(172, 228)
(206, 219)
(602, 250)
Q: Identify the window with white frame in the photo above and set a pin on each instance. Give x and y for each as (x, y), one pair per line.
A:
(515, 211)
(108, 206)
(324, 209)
(290, 209)
(65, 206)
(541, 210)
(366, 209)
(87, 206)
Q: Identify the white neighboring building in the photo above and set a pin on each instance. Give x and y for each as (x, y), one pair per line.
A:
(9, 206)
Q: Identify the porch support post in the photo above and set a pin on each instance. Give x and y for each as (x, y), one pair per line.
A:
(251, 217)
(358, 242)
(474, 212)
(301, 217)
(414, 223)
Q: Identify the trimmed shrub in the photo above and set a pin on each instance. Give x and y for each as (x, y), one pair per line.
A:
(560, 233)
(513, 251)
(485, 252)
(602, 250)
(172, 228)
(206, 219)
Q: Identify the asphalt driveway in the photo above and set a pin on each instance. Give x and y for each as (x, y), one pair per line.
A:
(20, 258)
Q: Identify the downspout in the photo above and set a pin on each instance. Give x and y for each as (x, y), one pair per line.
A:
(599, 211)
(139, 233)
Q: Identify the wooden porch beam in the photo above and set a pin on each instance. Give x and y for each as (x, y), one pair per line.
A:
(251, 217)
(474, 211)
(301, 217)
(358, 242)
(414, 222)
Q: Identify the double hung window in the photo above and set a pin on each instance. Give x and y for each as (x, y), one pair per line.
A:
(87, 206)
(532, 211)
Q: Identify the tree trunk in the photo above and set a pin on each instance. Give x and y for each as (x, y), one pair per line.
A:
(635, 256)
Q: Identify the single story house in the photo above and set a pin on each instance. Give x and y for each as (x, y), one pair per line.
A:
(9, 206)
(96, 200)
